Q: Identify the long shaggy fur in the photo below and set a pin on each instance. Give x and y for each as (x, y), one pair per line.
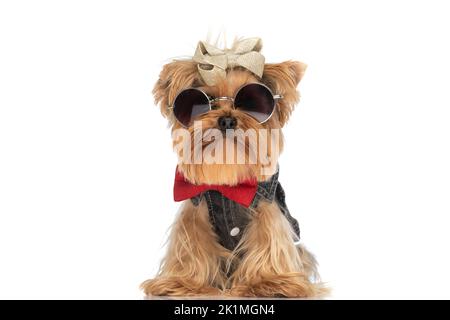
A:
(194, 264)
(272, 265)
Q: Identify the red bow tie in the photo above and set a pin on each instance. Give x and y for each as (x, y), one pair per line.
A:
(243, 193)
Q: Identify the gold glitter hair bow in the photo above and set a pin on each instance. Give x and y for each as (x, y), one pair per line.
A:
(213, 62)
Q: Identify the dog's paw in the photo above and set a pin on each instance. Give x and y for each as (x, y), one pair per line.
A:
(176, 287)
(286, 286)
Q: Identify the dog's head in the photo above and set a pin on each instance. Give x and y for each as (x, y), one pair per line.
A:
(223, 141)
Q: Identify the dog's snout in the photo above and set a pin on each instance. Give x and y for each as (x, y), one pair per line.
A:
(227, 122)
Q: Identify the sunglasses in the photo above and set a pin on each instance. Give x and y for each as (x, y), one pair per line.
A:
(255, 99)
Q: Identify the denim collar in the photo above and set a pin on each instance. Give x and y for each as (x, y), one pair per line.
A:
(266, 190)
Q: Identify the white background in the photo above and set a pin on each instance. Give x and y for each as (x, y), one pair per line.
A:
(86, 166)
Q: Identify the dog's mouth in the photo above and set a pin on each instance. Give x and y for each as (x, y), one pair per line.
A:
(226, 146)
(216, 136)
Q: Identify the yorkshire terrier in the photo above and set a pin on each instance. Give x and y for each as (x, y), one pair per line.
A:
(234, 234)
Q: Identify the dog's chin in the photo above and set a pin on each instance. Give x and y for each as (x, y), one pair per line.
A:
(221, 174)
(224, 173)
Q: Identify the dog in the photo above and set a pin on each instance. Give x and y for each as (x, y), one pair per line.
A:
(234, 234)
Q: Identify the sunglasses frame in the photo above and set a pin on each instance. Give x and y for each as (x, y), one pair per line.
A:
(211, 102)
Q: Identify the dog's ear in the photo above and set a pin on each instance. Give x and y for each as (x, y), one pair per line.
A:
(174, 77)
(283, 78)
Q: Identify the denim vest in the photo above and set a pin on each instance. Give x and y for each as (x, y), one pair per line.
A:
(230, 219)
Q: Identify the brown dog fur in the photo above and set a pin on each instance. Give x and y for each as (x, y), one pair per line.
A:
(266, 262)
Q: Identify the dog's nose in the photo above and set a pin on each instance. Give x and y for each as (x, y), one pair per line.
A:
(227, 123)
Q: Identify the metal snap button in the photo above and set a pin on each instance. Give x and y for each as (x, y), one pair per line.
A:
(234, 232)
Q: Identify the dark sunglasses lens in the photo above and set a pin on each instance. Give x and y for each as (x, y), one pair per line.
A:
(256, 100)
(189, 104)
